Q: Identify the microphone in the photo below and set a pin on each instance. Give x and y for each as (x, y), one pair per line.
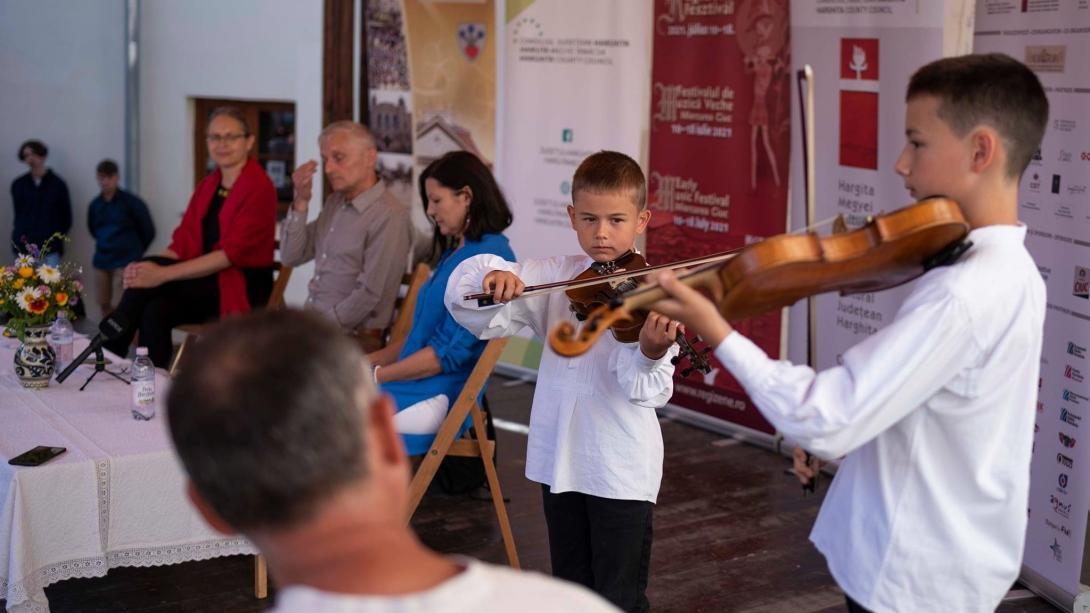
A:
(114, 325)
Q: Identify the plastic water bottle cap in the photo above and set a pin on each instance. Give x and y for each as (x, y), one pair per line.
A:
(141, 351)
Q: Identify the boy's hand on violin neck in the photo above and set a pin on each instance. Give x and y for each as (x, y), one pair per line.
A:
(503, 285)
(657, 335)
(699, 315)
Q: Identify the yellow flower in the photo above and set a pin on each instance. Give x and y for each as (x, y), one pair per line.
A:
(26, 272)
(18, 283)
(61, 298)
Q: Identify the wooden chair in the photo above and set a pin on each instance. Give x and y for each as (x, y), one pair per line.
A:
(405, 306)
(481, 447)
(275, 302)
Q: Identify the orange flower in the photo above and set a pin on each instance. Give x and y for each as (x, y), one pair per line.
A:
(61, 298)
(26, 272)
(18, 283)
(38, 306)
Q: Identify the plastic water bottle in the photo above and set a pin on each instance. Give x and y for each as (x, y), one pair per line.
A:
(143, 385)
(60, 336)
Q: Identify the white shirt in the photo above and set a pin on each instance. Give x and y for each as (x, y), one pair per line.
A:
(935, 413)
(593, 427)
(480, 587)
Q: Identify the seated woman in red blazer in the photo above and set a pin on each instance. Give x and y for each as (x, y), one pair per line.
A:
(220, 257)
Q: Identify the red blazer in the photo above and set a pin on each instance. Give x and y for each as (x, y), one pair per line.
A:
(247, 230)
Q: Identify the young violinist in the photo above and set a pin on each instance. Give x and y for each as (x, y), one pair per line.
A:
(934, 413)
(594, 443)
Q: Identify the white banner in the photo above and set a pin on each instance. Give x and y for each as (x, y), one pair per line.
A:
(862, 53)
(576, 80)
(1053, 38)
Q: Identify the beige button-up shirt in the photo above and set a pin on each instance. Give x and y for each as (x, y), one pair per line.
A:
(360, 250)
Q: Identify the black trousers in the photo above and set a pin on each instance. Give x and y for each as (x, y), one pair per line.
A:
(602, 543)
(154, 311)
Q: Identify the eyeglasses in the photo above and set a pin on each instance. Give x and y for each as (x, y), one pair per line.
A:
(216, 139)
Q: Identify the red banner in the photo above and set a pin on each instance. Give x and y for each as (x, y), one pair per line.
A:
(720, 146)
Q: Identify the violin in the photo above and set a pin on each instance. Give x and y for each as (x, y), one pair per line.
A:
(888, 251)
(603, 282)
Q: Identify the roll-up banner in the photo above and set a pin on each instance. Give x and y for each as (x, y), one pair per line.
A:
(575, 82)
(1053, 38)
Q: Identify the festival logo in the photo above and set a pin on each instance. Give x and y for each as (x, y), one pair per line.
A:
(1070, 418)
(1064, 125)
(859, 59)
(1066, 441)
(471, 39)
(1076, 350)
(859, 107)
(1082, 283)
(1062, 529)
(1058, 506)
(1073, 373)
(1034, 184)
(1057, 550)
(1046, 58)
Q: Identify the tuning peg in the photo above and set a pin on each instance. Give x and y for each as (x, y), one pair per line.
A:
(675, 360)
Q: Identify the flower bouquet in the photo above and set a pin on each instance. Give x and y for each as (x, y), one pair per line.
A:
(32, 293)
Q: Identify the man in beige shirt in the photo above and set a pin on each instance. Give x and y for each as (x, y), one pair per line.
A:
(361, 239)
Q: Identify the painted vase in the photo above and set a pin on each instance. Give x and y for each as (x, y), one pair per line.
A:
(34, 359)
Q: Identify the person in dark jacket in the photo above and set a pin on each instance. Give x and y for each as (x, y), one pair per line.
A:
(123, 230)
(42, 206)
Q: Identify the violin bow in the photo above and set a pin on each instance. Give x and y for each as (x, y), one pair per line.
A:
(485, 298)
(805, 82)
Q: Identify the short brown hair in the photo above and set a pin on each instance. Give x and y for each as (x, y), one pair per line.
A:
(610, 171)
(266, 416)
(234, 113)
(991, 89)
(107, 168)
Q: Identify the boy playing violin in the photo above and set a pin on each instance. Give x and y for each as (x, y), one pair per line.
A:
(935, 412)
(594, 443)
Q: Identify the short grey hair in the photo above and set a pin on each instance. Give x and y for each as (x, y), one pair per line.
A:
(353, 128)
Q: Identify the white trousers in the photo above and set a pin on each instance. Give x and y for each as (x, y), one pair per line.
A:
(424, 417)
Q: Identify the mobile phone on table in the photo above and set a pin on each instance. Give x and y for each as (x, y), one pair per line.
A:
(37, 456)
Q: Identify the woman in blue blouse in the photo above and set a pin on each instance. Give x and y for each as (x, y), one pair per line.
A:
(427, 371)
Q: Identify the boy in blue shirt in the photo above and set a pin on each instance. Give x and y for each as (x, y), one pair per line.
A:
(122, 228)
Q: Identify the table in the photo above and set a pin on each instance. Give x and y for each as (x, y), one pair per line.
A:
(115, 498)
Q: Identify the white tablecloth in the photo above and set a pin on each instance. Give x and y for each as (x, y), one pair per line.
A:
(115, 498)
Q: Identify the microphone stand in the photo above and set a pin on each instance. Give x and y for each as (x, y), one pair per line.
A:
(100, 366)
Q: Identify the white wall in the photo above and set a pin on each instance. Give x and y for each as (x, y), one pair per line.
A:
(243, 49)
(62, 80)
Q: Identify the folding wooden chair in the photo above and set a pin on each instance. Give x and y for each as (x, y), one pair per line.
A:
(406, 306)
(481, 447)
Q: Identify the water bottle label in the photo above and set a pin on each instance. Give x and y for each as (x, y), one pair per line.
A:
(143, 393)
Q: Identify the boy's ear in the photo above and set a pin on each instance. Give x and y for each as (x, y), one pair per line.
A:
(571, 215)
(985, 148)
(642, 219)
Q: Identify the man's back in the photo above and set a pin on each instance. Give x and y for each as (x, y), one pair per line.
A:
(479, 587)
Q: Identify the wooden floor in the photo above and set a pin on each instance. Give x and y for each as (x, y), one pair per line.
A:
(730, 535)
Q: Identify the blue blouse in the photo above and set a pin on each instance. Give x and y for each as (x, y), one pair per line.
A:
(433, 326)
